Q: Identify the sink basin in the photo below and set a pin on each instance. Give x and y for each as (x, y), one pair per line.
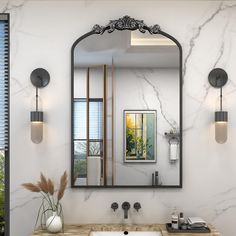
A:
(128, 233)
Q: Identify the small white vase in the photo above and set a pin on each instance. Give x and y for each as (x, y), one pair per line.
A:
(54, 223)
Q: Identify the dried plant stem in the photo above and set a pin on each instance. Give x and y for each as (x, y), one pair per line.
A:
(53, 202)
(38, 215)
(50, 202)
(44, 197)
(62, 218)
(48, 199)
(52, 220)
(42, 215)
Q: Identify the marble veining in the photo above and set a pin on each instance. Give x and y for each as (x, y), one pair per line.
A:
(10, 5)
(23, 204)
(142, 76)
(192, 41)
(87, 194)
(85, 230)
(205, 163)
(221, 203)
(222, 7)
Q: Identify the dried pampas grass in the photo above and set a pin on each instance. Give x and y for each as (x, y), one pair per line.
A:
(43, 184)
(47, 186)
(31, 187)
(50, 187)
(62, 188)
(50, 200)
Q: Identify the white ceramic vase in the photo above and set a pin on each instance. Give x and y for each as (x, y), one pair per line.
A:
(54, 223)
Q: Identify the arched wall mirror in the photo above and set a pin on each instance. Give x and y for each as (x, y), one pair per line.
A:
(126, 107)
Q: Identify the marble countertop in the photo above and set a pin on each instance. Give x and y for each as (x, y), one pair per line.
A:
(84, 230)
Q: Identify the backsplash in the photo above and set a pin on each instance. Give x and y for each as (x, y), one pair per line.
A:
(42, 33)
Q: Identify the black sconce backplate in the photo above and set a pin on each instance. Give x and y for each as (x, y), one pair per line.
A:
(40, 78)
(217, 78)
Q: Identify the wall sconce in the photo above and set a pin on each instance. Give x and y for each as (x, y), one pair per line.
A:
(217, 79)
(40, 79)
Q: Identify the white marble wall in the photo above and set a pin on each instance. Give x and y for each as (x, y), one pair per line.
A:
(42, 33)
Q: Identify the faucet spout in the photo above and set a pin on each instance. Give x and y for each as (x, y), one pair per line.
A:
(125, 214)
(126, 207)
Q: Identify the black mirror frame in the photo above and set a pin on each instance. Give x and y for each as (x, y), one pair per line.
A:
(128, 23)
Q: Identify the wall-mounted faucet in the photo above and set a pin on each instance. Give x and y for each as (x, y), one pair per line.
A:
(126, 207)
(114, 206)
(137, 206)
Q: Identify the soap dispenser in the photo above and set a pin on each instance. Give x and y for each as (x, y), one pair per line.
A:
(174, 219)
(181, 219)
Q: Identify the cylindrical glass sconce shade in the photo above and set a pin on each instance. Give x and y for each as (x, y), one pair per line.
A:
(221, 121)
(36, 126)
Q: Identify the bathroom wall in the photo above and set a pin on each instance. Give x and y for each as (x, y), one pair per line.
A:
(42, 33)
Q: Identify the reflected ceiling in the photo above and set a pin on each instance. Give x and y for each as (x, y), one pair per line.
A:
(127, 49)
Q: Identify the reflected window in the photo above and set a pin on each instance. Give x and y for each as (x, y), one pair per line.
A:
(80, 133)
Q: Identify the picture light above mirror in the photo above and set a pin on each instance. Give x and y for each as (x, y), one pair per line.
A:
(126, 107)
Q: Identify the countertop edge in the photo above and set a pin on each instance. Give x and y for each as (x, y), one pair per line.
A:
(85, 229)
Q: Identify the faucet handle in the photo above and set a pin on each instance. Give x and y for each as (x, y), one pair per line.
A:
(137, 206)
(114, 206)
(125, 205)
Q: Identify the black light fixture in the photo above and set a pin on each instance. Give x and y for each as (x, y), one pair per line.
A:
(217, 79)
(40, 79)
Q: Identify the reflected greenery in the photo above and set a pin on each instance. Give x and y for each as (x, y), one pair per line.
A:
(80, 168)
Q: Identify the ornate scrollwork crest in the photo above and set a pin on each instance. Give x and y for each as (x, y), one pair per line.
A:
(126, 23)
(98, 29)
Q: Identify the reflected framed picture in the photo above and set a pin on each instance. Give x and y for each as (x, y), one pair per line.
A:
(140, 128)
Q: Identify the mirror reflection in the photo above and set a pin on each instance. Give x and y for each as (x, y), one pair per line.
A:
(126, 110)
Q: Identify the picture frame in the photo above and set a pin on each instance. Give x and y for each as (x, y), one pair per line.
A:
(140, 139)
